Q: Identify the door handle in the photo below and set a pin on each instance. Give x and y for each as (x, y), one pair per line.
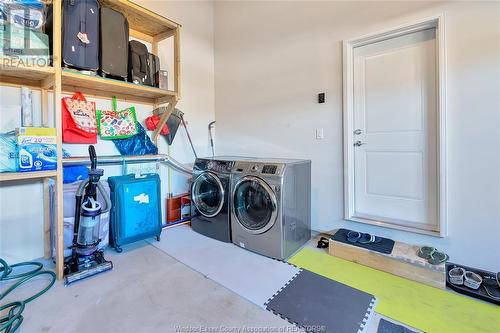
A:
(359, 143)
(358, 132)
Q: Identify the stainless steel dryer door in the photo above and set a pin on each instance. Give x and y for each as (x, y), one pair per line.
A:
(254, 205)
(207, 193)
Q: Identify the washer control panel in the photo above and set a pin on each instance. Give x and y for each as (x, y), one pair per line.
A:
(215, 166)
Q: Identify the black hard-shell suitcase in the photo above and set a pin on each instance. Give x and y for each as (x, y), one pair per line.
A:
(80, 34)
(138, 71)
(153, 78)
(114, 44)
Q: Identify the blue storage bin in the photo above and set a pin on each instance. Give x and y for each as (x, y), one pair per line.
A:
(136, 211)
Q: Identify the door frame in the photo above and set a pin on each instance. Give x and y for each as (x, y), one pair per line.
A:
(436, 22)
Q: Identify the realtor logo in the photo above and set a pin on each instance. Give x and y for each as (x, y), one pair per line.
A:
(21, 35)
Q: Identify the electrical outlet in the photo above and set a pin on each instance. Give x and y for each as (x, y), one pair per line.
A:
(319, 134)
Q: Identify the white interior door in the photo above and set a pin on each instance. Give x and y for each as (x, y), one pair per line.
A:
(395, 131)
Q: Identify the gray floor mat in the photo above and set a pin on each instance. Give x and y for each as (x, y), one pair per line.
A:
(386, 326)
(250, 275)
(319, 304)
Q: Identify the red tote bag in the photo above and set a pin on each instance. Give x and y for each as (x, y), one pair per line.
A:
(78, 120)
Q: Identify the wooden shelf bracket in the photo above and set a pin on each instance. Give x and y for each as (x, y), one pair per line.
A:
(164, 118)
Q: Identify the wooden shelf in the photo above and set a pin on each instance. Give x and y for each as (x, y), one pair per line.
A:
(143, 24)
(141, 19)
(8, 176)
(101, 87)
(15, 72)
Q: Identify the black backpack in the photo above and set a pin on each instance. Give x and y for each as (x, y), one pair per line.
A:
(138, 69)
(154, 71)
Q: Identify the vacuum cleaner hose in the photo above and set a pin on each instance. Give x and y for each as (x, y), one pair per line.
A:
(100, 187)
(81, 188)
(105, 195)
(13, 318)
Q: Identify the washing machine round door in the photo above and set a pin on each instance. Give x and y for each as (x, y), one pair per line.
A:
(254, 205)
(207, 193)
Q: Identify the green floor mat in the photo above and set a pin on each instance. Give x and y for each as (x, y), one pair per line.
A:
(429, 309)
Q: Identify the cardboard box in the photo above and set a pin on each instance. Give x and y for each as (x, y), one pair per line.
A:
(178, 207)
(36, 149)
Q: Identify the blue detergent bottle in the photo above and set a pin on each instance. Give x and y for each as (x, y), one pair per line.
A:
(25, 159)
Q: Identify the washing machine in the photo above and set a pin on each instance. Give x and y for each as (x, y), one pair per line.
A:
(210, 196)
(271, 206)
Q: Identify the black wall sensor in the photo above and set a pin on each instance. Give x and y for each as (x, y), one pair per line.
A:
(321, 98)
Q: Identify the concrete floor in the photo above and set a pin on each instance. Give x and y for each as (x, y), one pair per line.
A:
(147, 291)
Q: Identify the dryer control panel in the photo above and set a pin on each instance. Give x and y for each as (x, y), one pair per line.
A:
(265, 169)
(269, 169)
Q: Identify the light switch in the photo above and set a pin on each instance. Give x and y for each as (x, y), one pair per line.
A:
(319, 134)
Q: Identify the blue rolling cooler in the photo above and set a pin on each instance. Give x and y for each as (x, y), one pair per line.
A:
(136, 210)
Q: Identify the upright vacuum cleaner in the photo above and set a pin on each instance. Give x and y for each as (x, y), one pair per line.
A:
(86, 259)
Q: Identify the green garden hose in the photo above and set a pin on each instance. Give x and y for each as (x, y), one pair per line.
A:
(13, 319)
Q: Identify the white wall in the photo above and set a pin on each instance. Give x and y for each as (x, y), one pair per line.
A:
(197, 71)
(272, 58)
(21, 219)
